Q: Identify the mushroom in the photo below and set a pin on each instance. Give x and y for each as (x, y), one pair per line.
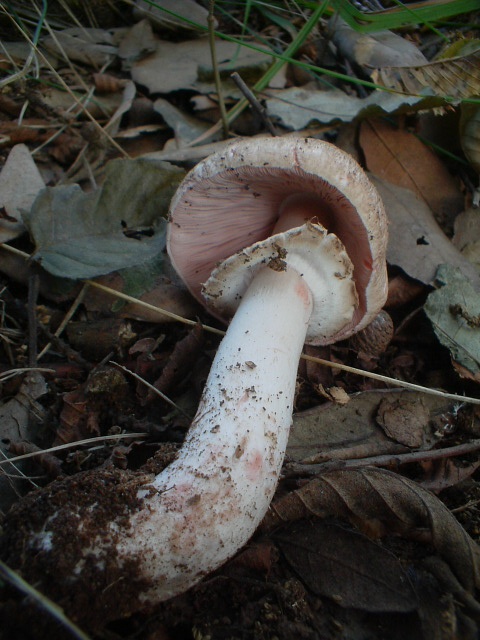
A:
(288, 236)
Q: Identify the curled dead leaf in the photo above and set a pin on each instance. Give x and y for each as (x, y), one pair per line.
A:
(381, 502)
(335, 394)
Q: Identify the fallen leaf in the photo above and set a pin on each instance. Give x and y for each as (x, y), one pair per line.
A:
(188, 65)
(331, 431)
(399, 157)
(128, 95)
(20, 182)
(47, 461)
(154, 282)
(138, 43)
(456, 78)
(347, 567)
(405, 421)
(94, 47)
(420, 245)
(454, 311)
(174, 15)
(98, 338)
(383, 503)
(179, 363)
(15, 413)
(438, 475)
(338, 395)
(20, 418)
(467, 235)
(98, 106)
(90, 409)
(118, 226)
(403, 290)
(297, 107)
(185, 127)
(380, 49)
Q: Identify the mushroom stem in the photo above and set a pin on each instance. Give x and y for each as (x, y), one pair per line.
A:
(210, 500)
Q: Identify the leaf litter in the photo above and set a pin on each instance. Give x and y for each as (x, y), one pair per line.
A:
(369, 540)
(118, 226)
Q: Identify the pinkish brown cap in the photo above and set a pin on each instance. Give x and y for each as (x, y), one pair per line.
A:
(232, 200)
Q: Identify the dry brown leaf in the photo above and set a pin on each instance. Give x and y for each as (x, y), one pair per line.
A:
(331, 431)
(347, 567)
(172, 18)
(106, 83)
(398, 156)
(338, 395)
(457, 77)
(90, 409)
(467, 235)
(137, 43)
(380, 502)
(90, 46)
(179, 363)
(20, 182)
(446, 472)
(20, 419)
(381, 49)
(188, 65)
(406, 422)
(402, 291)
(420, 245)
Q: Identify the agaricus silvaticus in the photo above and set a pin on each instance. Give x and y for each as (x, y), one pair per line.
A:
(288, 236)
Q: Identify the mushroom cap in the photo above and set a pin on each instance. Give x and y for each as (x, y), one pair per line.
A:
(233, 199)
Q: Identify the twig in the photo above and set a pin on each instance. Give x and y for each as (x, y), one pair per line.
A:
(287, 57)
(11, 373)
(73, 308)
(297, 468)
(151, 307)
(254, 103)
(73, 445)
(152, 388)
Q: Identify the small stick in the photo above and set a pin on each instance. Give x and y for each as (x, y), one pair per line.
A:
(297, 468)
(254, 103)
(70, 313)
(74, 445)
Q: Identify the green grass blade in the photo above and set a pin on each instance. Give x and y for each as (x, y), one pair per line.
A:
(421, 12)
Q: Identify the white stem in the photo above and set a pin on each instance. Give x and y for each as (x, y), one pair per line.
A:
(209, 501)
